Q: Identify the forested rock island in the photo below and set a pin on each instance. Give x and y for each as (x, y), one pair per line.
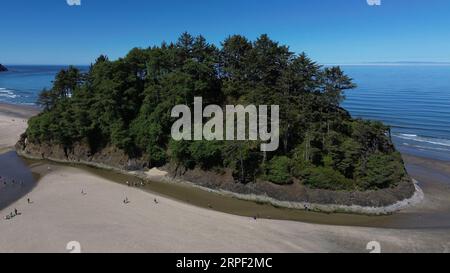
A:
(118, 114)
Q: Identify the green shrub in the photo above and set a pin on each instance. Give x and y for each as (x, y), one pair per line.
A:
(278, 170)
(326, 178)
(381, 171)
(127, 104)
(207, 154)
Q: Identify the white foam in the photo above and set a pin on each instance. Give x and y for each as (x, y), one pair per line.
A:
(429, 140)
(408, 135)
(426, 147)
(7, 93)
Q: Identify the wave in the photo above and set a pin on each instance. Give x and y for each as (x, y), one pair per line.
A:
(426, 147)
(7, 93)
(429, 140)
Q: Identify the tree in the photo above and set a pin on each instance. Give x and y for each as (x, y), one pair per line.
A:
(46, 99)
(278, 170)
(334, 83)
(126, 104)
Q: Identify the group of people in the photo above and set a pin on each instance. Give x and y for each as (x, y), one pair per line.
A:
(135, 184)
(15, 213)
(12, 215)
(127, 201)
(4, 182)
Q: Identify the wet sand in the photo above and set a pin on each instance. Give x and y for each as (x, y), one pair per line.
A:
(76, 204)
(429, 214)
(13, 122)
(101, 222)
(15, 178)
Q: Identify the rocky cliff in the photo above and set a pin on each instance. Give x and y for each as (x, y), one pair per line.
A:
(283, 196)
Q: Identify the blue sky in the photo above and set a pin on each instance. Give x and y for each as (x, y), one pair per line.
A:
(330, 31)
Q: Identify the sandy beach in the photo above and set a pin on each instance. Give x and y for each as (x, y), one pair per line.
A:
(13, 122)
(71, 204)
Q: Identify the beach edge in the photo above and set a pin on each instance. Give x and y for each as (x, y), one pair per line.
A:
(416, 198)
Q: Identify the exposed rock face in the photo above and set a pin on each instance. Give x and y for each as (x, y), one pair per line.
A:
(2, 68)
(113, 158)
(109, 157)
(296, 192)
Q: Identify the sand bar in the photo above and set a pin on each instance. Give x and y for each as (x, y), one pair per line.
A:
(70, 204)
(13, 122)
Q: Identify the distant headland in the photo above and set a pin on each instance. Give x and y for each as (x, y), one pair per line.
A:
(3, 68)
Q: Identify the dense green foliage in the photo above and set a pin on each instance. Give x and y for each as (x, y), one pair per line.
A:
(278, 170)
(127, 103)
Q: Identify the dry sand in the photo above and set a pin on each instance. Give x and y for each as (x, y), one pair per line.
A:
(101, 222)
(13, 122)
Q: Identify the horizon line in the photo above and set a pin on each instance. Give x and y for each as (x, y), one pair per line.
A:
(393, 63)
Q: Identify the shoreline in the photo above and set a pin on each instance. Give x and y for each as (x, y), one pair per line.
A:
(18, 110)
(158, 175)
(13, 122)
(172, 226)
(178, 226)
(416, 197)
(431, 213)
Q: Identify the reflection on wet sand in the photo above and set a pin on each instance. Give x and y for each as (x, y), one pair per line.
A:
(433, 213)
(16, 180)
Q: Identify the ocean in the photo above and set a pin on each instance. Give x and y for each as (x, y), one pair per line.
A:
(413, 99)
(22, 84)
